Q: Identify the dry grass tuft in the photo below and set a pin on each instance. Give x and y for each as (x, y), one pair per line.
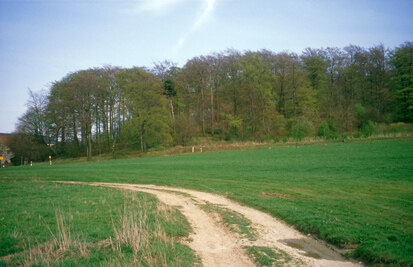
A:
(137, 232)
(132, 230)
(139, 239)
(165, 212)
(61, 246)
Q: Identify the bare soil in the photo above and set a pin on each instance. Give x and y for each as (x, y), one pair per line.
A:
(217, 246)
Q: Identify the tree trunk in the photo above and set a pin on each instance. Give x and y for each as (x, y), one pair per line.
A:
(142, 132)
(212, 111)
(75, 133)
(114, 149)
(203, 111)
(89, 144)
(173, 114)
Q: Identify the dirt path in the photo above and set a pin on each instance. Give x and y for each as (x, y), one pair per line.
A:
(217, 246)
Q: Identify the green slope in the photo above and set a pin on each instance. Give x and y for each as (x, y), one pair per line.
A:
(357, 196)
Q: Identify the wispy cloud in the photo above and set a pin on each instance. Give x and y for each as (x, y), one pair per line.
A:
(155, 6)
(205, 15)
(201, 19)
(161, 7)
(180, 42)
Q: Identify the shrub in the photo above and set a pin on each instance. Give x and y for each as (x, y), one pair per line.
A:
(399, 128)
(28, 147)
(367, 128)
(186, 130)
(357, 135)
(301, 128)
(360, 114)
(328, 129)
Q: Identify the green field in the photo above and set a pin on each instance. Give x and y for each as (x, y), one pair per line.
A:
(43, 223)
(358, 196)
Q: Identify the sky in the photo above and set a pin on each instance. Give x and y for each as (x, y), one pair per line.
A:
(43, 40)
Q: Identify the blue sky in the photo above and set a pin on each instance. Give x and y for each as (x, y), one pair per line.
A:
(43, 40)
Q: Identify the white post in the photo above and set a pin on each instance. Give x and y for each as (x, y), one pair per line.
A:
(31, 163)
(193, 149)
(201, 149)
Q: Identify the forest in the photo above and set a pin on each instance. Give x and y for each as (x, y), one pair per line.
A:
(230, 95)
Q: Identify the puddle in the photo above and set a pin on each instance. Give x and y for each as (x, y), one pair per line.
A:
(301, 245)
(294, 245)
(312, 255)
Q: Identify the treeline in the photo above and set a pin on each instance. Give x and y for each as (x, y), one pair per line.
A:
(230, 95)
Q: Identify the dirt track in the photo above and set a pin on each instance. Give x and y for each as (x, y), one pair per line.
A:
(217, 246)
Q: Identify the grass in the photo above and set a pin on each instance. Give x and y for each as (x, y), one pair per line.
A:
(234, 221)
(209, 144)
(44, 223)
(265, 256)
(354, 195)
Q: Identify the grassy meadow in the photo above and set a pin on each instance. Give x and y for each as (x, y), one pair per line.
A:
(43, 224)
(357, 196)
